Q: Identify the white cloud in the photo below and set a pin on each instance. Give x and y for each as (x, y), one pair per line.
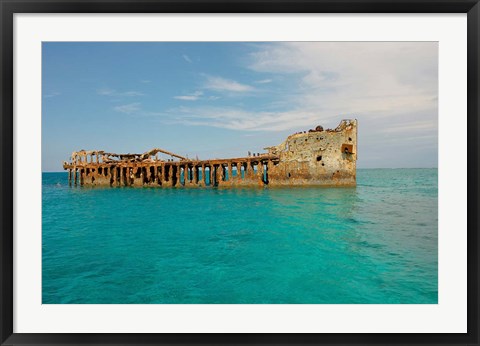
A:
(379, 83)
(356, 77)
(238, 119)
(263, 81)
(414, 126)
(190, 97)
(226, 85)
(187, 58)
(186, 97)
(128, 108)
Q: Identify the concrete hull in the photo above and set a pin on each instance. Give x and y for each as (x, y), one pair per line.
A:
(314, 158)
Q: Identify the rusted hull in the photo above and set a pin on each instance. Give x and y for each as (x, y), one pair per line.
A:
(314, 158)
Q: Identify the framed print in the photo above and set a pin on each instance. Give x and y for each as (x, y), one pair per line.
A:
(241, 173)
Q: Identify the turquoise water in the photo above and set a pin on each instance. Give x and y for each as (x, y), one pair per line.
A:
(376, 243)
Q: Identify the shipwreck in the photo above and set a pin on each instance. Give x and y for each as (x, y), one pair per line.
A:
(314, 157)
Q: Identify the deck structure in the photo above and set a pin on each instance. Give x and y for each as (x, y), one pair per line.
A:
(314, 157)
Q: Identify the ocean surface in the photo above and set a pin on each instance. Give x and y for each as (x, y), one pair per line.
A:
(375, 243)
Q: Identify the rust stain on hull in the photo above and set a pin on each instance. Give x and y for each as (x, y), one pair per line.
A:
(317, 157)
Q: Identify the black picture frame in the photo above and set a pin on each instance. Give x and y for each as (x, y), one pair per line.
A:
(9, 7)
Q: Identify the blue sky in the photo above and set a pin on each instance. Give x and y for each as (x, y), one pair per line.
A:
(215, 100)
